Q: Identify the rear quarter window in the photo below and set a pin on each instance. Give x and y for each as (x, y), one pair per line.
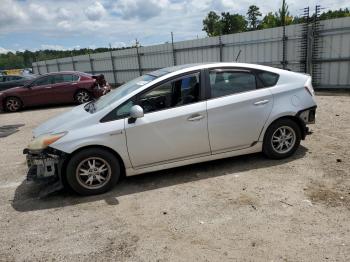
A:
(267, 78)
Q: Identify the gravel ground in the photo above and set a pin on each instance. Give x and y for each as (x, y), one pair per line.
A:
(245, 208)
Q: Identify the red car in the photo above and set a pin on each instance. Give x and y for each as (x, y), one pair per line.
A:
(54, 88)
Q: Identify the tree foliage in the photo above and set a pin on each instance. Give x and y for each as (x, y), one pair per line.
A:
(212, 24)
(225, 24)
(215, 24)
(253, 14)
(26, 58)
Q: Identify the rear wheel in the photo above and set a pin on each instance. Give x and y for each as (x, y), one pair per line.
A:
(13, 104)
(93, 171)
(82, 96)
(282, 139)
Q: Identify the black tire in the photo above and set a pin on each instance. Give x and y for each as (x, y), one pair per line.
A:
(270, 148)
(82, 96)
(13, 104)
(79, 183)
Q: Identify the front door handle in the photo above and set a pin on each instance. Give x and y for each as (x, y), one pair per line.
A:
(195, 117)
(48, 87)
(262, 102)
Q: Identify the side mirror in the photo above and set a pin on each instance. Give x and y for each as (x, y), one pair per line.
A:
(136, 111)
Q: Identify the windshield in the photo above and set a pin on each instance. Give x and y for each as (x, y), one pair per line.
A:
(120, 92)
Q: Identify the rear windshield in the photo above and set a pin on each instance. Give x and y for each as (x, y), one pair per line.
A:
(267, 78)
(122, 91)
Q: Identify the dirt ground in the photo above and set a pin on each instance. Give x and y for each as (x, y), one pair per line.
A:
(246, 208)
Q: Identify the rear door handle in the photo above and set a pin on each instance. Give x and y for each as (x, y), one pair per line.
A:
(195, 117)
(262, 102)
(47, 86)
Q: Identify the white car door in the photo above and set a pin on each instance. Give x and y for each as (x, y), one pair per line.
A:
(174, 125)
(237, 110)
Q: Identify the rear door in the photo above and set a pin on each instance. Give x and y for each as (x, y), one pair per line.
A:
(40, 92)
(237, 109)
(65, 86)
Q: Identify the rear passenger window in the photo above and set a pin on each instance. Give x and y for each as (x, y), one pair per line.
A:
(64, 78)
(225, 83)
(70, 78)
(267, 78)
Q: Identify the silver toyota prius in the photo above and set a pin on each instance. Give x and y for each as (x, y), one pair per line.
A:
(173, 117)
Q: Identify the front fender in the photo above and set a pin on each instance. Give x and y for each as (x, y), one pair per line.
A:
(109, 134)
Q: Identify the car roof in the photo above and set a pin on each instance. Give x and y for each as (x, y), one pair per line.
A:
(198, 66)
(65, 72)
(167, 70)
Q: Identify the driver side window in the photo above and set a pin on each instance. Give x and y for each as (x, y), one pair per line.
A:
(47, 80)
(181, 91)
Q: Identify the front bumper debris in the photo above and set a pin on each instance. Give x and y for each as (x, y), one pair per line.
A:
(44, 164)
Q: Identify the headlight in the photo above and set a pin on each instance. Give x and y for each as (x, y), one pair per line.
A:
(44, 141)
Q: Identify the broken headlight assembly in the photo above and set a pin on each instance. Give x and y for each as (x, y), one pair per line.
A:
(43, 141)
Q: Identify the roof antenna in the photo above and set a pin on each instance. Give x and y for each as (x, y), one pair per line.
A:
(238, 55)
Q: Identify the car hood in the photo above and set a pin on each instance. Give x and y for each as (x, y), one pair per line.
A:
(77, 117)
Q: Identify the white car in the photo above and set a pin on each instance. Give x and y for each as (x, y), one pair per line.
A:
(173, 117)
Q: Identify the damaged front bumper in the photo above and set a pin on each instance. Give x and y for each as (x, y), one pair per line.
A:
(44, 164)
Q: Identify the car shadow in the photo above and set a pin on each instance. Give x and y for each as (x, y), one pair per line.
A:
(27, 197)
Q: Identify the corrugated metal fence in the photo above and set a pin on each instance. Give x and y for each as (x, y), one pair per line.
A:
(260, 47)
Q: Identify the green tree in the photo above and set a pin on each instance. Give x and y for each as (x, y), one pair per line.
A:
(211, 24)
(284, 18)
(335, 14)
(269, 21)
(227, 23)
(253, 14)
(231, 24)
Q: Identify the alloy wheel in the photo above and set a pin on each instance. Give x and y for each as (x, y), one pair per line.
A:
(83, 97)
(13, 104)
(283, 139)
(93, 173)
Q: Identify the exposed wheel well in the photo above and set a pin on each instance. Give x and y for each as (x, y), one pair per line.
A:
(64, 166)
(297, 120)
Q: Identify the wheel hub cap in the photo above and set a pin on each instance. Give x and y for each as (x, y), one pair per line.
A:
(12, 105)
(283, 139)
(93, 173)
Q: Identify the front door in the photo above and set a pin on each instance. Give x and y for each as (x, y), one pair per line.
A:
(174, 126)
(40, 91)
(237, 110)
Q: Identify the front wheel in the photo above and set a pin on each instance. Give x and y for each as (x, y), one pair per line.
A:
(282, 139)
(13, 104)
(82, 96)
(93, 171)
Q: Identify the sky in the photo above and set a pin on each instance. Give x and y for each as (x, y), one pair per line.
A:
(74, 24)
